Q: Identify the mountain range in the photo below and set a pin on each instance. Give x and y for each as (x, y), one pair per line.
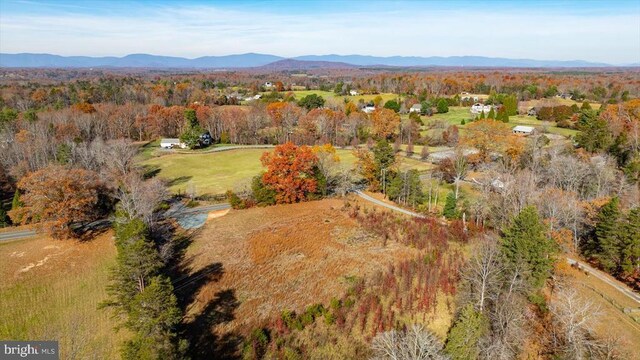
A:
(252, 60)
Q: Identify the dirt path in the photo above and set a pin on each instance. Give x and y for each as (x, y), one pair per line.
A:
(625, 290)
(597, 273)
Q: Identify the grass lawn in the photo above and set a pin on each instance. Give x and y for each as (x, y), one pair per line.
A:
(331, 95)
(51, 289)
(215, 173)
(212, 173)
(458, 113)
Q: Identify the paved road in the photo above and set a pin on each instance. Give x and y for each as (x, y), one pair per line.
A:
(175, 213)
(16, 235)
(595, 272)
(180, 209)
(602, 276)
(222, 148)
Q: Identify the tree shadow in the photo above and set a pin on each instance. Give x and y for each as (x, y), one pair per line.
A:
(200, 329)
(179, 180)
(205, 344)
(150, 171)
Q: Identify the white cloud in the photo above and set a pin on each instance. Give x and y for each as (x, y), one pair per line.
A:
(193, 31)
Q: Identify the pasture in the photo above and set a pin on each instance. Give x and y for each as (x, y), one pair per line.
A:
(215, 173)
(51, 289)
(458, 113)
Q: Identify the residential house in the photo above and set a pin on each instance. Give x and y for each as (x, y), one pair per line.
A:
(477, 108)
(416, 108)
(353, 92)
(172, 143)
(369, 109)
(532, 112)
(523, 130)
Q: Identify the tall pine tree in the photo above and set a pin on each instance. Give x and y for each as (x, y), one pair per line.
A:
(606, 244)
(630, 243)
(525, 243)
(463, 341)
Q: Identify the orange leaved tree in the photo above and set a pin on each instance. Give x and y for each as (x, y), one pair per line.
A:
(58, 197)
(490, 136)
(385, 123)
(292, 172)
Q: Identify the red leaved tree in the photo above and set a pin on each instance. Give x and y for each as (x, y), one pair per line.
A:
(290, 172)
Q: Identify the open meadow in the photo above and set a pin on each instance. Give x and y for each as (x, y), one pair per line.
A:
(51, 289)
(458, 113)
(216, 172)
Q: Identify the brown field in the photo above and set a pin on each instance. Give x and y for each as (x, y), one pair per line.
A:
(50, 289)
(283, 257)
(613, 321)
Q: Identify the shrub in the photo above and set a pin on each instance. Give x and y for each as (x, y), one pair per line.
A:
(235, 201)
(263, 195)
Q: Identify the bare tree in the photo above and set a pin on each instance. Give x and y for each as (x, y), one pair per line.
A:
(118, 157)
(573, 320)
(416, 343)
(460, 167)
(482, 274)
(140, 198)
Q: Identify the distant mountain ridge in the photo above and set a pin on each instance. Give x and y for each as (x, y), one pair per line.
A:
(253, 60)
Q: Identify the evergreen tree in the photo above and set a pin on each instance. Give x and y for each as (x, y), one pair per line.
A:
(482, 117)
(190, 136)
(392, 105)
(492, 114)
(4, 221)
(136, 262)
(384, 155)
(594, 132)
(449, 210)
(191, 118)
(585, 106)
(630, 243)
(155, 317)
(263, 195)
(442, 106)
(525, 243)
(16, 203)
(510, 104)
(463, 340)
(142, 295)
(605, 247)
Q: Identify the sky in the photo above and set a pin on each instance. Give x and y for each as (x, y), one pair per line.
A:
(600, 31)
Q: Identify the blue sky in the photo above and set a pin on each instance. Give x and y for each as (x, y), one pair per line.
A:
(604, 31)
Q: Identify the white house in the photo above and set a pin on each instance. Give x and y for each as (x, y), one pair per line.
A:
(477, 108)
(353, 92)
(523, 130)
(415, 108)
(171, 143)
(369, 109)
(268, 84)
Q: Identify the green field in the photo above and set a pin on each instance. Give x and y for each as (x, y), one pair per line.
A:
(59, 299)
(458, 113)
(331, 95)
(215, 173)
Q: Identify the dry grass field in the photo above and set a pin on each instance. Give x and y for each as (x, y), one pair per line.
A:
(50, 289)
(283, 257)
